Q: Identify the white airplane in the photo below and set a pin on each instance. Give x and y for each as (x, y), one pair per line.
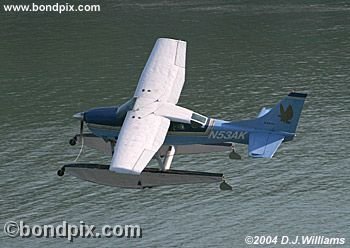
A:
(152, 125)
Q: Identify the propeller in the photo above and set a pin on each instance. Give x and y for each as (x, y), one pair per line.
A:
(81, 128)
(81, 136)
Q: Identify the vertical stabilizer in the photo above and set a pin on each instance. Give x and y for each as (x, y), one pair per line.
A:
(285, 115)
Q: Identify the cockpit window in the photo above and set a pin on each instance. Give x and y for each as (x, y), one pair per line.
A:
(130, 103)
(125, 107)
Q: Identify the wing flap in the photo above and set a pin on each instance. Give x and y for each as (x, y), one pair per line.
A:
(180, 59)
(263, 145)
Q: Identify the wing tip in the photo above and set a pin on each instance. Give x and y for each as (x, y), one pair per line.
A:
(166, 39)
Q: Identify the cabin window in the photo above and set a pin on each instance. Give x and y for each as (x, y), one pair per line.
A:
(198, 119)
(184, 127)
(177, 126)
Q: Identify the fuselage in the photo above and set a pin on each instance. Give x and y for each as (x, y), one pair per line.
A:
(106, 122)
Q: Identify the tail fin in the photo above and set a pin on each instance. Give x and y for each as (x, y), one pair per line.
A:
(282, 117)
(285, 115)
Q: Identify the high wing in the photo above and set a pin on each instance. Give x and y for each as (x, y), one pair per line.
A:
(164, 74)
(145, 127)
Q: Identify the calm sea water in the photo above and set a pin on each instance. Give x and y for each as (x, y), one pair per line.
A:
(242, 55)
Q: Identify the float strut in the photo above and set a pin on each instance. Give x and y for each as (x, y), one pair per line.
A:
(168, 158)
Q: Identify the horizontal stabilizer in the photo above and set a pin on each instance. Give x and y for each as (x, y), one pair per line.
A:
(264, 145)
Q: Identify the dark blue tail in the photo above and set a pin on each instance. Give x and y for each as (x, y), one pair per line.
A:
(282, 117)
(273, 126)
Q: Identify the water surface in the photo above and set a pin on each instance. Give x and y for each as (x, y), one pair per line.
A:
(242, 55)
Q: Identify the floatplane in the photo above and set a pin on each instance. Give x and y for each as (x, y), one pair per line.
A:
(152, 126)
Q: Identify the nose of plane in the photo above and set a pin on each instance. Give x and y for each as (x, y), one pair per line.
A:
(101, 116)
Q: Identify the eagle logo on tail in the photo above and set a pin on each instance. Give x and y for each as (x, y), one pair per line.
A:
(286, 115)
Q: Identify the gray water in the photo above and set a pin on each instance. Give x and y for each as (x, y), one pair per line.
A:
(242, 55)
